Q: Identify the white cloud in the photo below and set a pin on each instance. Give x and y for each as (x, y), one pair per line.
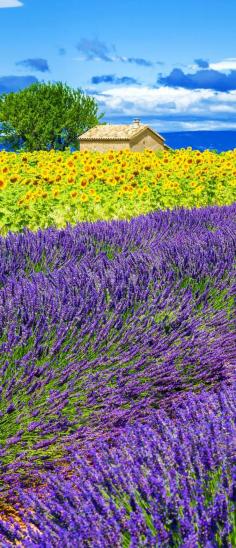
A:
(206, 125)
(149, 100)
(171, 109)
(10, 4)
(226, 64)
(221, 66)
(223, 108)
(202, 125)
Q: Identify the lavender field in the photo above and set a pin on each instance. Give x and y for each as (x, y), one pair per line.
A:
(117, 398)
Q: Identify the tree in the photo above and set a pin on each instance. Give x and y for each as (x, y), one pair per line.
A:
(45, 116)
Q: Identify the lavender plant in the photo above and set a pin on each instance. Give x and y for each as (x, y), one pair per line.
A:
(169, 483)
(105, 330)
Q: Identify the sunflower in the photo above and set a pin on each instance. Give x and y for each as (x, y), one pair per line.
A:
(198, 190)
(70, 163)
(14, 178)
(55, 193)
(125, 188)
(28, 196)
(111, 181)
(84, 197)
(140, 191)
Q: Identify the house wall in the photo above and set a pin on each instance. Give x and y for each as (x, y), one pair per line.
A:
(104, 146)
(147, 140)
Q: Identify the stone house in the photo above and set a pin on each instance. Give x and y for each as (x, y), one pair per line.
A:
(134, 136)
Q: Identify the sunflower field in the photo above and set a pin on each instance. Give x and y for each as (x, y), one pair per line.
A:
(118, 349)
(54, 188)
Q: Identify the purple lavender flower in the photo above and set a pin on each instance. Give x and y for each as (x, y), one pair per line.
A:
(117, 364)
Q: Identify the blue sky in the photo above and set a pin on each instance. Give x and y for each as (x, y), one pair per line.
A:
(172, 63)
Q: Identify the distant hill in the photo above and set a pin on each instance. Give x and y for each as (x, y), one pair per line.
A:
(201, 140)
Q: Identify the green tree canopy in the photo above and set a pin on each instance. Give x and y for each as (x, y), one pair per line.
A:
(46, 115)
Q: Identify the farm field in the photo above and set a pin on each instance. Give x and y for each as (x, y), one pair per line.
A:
(118, 349)
(42, 189)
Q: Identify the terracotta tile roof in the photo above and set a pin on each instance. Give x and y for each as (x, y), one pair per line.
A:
(119, 132)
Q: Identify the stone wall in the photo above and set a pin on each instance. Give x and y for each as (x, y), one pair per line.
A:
(104, 146)
(147, 140)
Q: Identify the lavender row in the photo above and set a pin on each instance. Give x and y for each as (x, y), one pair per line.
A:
(157, 234)
(103, 323)
(170, 483)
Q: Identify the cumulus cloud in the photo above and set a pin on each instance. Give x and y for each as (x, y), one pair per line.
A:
(204, 125)
(112, 79)
(14, 83)
(201, 63)
(10, 4)
(226, 64)
(95, 50)
(38, 64)
(202, 79)
(172, 108)
(136, 60)
(148, 100)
